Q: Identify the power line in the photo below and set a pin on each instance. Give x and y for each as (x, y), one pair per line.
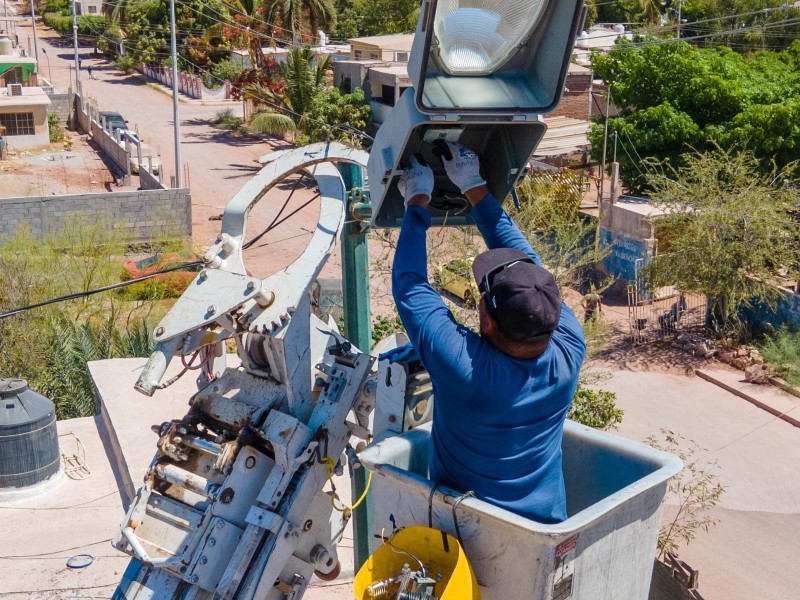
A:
(107, 288)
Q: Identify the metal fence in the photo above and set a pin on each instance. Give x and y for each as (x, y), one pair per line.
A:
(661, 313)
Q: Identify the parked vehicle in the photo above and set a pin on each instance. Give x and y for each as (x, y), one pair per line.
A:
(456, 278)
(111, 121)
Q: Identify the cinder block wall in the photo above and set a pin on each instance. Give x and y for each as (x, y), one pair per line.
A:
(59, 105)
(148, 181)
(137, 215)
(116, 153)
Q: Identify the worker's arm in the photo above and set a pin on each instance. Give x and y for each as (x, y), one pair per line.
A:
(431, 327)
(496, 227)
(439, 340)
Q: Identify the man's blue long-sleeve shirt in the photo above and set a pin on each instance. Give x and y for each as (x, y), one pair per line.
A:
(497, 420)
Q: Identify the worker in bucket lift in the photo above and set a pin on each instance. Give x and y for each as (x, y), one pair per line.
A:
(501, 397)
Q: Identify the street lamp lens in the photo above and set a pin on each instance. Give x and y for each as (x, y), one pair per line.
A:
(474, 37)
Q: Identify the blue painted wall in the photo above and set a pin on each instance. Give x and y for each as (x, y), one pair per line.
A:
(785, 314)
(621, 260)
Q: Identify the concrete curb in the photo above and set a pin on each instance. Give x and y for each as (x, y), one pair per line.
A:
(759, 403)
(785, 386)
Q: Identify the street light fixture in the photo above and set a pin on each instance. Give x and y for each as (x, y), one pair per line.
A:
(483, 72)
(49, 70)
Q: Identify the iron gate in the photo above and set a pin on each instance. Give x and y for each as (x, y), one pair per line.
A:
(663, 312)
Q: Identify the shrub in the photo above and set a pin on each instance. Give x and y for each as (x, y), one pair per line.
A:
(227, 120)
(87, 24)
(126, 63)
(223, 70)
(696, 490)
(54, 126)
(782, 352)
(383, 327)
(595, 408)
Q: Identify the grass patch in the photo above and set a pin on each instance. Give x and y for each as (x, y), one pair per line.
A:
(782, 353)
(227, 120)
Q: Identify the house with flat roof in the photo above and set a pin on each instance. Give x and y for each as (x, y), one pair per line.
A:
(23, 104)
(391, 48)
(89, 7)
(23, 116)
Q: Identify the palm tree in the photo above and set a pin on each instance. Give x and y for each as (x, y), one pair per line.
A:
(302, 16)
(303, 74)
(650, 11)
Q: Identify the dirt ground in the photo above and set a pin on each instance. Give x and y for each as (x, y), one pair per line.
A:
(53, 170)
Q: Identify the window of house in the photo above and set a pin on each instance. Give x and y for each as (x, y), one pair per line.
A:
(357, 54)
(17, 123)
(13, 75)
(387, 95)
(401, 56)
(92, 10)
(374, 55)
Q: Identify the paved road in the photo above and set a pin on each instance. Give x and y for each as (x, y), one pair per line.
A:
(753, 552)
(218, 163)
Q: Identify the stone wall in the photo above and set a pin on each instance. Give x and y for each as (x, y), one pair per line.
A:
(138, 216)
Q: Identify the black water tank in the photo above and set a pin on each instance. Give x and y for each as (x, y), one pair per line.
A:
(28, 437)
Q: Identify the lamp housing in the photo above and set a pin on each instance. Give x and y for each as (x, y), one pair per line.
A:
(486, 93)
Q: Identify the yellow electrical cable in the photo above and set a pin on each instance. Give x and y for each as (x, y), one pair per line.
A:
(329, 466)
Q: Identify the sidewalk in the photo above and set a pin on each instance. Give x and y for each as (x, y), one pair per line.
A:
(767, 397)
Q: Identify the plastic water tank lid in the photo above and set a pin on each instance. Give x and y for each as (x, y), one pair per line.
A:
(12, 387)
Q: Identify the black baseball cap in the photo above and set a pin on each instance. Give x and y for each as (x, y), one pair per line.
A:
(522, 297)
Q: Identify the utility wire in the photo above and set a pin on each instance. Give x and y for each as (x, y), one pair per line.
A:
(106, 288)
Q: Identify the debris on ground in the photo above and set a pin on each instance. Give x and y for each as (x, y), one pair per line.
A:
(758, 373)
(695, 344)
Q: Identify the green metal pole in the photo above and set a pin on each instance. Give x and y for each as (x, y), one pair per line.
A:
(357, 329)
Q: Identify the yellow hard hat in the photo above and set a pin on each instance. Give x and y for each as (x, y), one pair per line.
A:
(441, 555)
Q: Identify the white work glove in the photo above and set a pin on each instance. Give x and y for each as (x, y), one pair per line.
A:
(416, 179)
(464, 168)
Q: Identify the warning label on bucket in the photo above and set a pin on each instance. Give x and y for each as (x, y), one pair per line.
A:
(567, 546)
(564, 577)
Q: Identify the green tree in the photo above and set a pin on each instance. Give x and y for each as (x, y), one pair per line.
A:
(147, 29)
(549, 217)
(347, 21)
(336, 116)
(673, 98)
(380, 17)
(729, 230)
(50, 346)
